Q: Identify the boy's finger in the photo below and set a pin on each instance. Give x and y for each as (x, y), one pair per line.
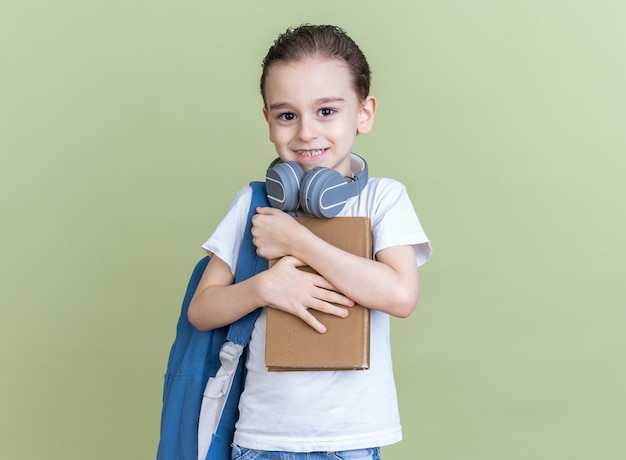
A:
(313, 322)
(265, 210)
(330, 308)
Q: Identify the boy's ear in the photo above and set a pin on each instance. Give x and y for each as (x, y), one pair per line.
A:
(266, 115)
(366, 115)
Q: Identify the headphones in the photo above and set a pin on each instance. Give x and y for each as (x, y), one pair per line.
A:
(322, 192)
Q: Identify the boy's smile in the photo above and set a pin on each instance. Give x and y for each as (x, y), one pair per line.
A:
(314, 113)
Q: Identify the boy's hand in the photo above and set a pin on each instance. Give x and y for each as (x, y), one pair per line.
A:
(295, 291)
(273, 232)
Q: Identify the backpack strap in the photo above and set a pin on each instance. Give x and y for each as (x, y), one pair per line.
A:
(249, 265)
(218, 388)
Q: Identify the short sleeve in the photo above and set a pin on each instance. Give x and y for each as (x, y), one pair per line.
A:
(225, 242)
(394, 221)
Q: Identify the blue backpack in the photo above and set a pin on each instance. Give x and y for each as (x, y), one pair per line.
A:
(205, 374)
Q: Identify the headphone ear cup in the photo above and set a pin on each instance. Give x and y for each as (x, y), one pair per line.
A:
(323, 192)
(282, 185)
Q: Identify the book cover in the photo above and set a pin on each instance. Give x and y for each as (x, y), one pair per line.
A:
(292, 345)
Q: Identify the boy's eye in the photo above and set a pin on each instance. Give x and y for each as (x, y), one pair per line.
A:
(287, 116)
(325, 112)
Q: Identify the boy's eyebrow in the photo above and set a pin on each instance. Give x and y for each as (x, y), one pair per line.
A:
(321, 101)
(326, 100)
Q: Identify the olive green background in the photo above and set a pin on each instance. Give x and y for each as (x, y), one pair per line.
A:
(127, 126)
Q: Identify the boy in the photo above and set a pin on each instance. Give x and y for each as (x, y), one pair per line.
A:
(315, 88)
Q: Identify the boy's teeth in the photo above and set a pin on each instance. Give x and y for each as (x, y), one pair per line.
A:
(310, 153)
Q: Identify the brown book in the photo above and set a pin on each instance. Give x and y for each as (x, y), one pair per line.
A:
(292, 345)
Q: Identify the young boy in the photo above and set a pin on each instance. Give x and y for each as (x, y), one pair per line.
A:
(315, 88)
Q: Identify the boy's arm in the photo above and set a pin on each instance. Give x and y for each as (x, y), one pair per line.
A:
(219, 301)
(389, 283)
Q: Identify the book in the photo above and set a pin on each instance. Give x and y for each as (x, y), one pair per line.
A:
(292, 345)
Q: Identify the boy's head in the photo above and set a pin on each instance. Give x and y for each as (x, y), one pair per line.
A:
(307, 41)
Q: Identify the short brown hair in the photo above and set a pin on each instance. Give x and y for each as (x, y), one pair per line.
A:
(307, 40)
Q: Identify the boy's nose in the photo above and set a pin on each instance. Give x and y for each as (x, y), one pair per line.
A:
(307, 130)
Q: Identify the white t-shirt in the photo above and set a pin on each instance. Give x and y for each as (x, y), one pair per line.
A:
(326, 410)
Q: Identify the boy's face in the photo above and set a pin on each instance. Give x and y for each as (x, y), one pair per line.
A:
(314, 113)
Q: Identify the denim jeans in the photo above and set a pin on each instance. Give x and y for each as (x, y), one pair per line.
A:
(241, 453)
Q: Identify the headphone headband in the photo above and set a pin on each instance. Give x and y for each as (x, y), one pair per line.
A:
(360, 178)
